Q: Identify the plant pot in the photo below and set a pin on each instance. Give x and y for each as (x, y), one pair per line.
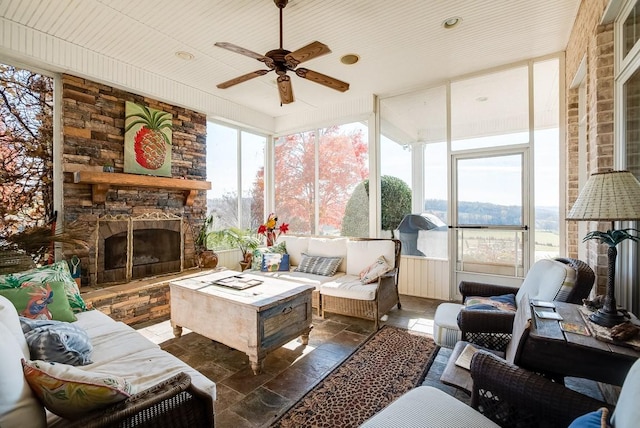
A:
(208, 259)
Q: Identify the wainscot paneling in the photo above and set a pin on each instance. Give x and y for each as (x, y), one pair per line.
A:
(424, 277)
(229, 259)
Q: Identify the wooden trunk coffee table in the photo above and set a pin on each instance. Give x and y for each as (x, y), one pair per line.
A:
(255, 320)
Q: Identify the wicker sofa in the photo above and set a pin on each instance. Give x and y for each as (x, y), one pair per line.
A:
(343, 293)
(169, 392)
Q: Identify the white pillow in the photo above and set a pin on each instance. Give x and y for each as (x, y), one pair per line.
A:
(330, 247)
(360, 254)
(375, 270)
(296, 245)
(9, 317)
(19, 407)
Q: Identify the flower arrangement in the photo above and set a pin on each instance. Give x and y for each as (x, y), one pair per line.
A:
(269, 228)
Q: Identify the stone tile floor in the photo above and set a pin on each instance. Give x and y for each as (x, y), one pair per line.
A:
(246, 400)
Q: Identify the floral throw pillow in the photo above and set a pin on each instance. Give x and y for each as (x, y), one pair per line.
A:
(256, 261)
(70, 392)
(375, 270)
(57, 272)
(40, 301)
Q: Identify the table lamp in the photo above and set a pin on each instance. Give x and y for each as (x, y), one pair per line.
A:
(609, 196)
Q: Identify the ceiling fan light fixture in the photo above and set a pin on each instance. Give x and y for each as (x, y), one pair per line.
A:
(187, 56)
(452, 22)
(349, 59)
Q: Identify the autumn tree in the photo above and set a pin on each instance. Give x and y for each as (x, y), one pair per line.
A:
(26, 149)
(342, 164)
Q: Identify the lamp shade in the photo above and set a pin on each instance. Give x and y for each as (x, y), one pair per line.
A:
(608, 196)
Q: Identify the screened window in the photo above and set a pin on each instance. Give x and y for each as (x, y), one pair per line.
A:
(321, 180)
(235, 167)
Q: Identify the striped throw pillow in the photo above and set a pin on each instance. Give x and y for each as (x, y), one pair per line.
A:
(319, 265)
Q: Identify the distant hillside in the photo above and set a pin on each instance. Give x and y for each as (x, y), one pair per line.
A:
(485, 213)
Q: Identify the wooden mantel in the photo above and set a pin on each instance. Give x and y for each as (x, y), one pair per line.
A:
(102, 181)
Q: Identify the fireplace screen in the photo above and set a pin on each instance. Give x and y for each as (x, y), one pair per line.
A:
(135, 248)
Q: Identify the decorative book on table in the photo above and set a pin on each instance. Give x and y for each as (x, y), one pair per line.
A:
(464, 359)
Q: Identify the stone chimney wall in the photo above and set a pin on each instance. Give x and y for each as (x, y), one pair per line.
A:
(93, 118)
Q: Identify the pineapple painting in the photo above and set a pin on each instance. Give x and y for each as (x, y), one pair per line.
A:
(147, 141)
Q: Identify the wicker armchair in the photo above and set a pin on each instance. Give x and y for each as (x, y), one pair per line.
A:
(514, 397)
(172, 403)
(492, 329)
(386, 297)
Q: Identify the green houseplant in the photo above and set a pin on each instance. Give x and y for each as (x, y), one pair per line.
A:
(243, 239)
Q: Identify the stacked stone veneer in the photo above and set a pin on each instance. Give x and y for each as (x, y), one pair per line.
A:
(93, 118)
(593, 42)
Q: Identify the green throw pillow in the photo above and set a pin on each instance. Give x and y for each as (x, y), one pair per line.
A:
(41, 301)
(56, 272)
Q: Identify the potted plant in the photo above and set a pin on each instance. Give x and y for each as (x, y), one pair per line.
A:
(205, 257)
(243, 239)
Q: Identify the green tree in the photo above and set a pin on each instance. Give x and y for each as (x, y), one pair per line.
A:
(395, 204)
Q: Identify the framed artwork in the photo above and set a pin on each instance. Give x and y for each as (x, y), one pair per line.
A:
(147, 141)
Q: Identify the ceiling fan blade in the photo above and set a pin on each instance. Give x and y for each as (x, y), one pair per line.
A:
(240, 79)
(285, 89)
(242, 51)
(322, 79)
(312, 50)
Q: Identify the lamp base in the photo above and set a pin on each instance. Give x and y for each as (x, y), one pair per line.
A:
(607, 319)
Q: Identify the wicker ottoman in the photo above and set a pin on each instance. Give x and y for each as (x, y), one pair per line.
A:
(445, 325)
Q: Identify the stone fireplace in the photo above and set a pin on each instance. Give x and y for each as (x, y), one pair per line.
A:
(129, 248)
(141, 226)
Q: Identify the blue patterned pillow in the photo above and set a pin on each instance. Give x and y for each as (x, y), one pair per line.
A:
(274, 262)
(319, 265)
(256, 261)
(57, 341)
(506, 302)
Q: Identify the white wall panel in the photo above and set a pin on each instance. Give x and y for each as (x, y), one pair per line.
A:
(423, 277)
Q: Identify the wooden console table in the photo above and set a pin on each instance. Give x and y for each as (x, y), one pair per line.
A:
(255, 321)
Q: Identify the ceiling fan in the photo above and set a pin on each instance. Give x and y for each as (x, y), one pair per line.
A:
(281, 60)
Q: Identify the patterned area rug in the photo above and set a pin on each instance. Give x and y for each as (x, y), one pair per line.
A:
(391, 362)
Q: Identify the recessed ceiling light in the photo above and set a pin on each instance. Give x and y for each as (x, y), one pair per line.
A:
(185, 55)
(350, 59)
(452, 22)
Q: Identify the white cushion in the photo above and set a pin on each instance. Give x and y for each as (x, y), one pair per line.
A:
(9, 317)
(427, 406)
(361, 254)
(350, 287)
(296, 245)
(302, 277)
(146, 368)
(19, 407)
(544, 280)
(627, 411)
(446, 332)
(329, 247)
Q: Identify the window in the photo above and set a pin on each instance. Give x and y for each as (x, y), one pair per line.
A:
(235, 166)
(320, 180)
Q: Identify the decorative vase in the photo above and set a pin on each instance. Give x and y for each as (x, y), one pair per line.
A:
(271, 238)
(208, 259)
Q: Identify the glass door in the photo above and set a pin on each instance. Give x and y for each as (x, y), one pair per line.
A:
(490, 214)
